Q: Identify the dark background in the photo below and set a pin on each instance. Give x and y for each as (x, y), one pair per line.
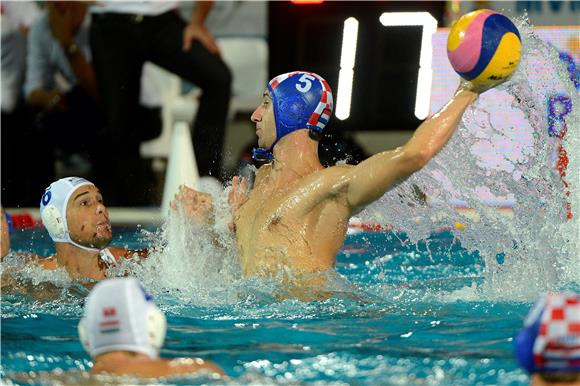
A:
(309, 37)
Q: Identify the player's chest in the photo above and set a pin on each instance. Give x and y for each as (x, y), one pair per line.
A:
(262, 207)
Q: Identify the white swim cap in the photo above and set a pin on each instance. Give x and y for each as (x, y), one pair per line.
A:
(53, 207)
(120, 316)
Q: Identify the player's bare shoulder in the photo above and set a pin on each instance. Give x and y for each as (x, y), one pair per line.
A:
(341, 168)
(338, 171)
(331, 180)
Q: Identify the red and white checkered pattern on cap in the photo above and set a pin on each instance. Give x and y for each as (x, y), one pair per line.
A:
(558, 342)
(321, 114)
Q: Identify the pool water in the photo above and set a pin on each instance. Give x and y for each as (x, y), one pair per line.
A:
(417, 318)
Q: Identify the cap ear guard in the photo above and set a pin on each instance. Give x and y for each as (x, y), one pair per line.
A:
(83, 335)
(54, 222)
(156, 327)
(290, 110)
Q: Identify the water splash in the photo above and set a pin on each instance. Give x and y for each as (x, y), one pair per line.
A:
(193, 262)
(539, 245)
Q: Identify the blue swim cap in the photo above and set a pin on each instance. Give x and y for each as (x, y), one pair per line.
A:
(301, 100)
(9, 222)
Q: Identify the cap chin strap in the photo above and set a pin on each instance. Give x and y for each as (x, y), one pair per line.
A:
(104, 254)
(262, 155)
(81, 246)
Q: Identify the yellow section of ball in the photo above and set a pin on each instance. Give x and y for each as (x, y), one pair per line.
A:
(504, 61)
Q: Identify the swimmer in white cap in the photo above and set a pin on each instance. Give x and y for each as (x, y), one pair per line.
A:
(296, 215)
(77, 220)
(123, 331)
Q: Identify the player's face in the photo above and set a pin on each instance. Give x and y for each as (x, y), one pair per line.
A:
(88, 218)
(263, 117)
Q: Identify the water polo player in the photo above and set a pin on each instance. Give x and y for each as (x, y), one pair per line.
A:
(123, 331)
(297, 213)
(77, 220)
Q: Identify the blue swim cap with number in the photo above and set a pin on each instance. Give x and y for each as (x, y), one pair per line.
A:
(301, 100)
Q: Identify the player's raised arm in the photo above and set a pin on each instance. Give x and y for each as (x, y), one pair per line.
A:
(369, 180)
(483, 47)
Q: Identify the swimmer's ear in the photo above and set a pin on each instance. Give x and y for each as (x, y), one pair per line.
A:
(83, 336)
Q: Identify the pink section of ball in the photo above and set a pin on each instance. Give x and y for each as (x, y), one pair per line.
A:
(465, 57)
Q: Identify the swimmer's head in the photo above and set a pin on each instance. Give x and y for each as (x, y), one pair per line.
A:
(550, 338)
(120, 316)
(72, 211)
(299, 100)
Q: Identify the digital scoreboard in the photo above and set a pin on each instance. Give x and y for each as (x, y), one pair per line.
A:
(373, 54)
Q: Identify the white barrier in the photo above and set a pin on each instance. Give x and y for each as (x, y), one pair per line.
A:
(182, 167)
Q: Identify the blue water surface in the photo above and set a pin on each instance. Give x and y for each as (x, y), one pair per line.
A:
(414, 318)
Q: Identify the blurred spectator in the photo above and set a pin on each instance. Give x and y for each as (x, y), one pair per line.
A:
(66, 121)
(61, 87)
(548, 346)
(126, 34)
(16, 20)
(20, 186)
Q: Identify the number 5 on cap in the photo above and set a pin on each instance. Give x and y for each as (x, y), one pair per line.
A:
(307, 80)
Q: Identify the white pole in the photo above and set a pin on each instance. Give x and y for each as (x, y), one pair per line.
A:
(181, 167)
